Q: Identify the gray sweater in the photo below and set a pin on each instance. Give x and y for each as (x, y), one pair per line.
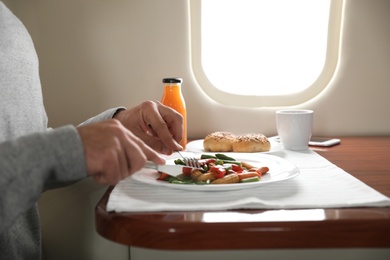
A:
(32, 158)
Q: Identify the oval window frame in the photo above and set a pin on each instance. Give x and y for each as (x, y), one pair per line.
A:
(225, 98)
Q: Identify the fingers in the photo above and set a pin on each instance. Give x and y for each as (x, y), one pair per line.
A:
(112, 152)
(164, 123)
(134, 153)
(157, 125)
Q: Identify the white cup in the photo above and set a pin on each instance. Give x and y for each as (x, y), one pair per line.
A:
(294, 128)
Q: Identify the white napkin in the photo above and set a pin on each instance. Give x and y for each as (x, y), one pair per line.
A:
(320, 184)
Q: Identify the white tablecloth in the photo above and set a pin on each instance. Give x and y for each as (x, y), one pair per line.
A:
(320, 184)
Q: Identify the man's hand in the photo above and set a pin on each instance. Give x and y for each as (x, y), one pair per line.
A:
(159, 126)
(112, 152)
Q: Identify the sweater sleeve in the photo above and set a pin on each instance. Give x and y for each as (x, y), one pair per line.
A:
(31, 162)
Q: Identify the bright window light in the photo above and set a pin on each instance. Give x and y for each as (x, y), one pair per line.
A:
(263, 47)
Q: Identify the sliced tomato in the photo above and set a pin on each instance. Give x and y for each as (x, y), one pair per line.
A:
(237, 168)
(187, 170)
(206, 161)
(218, 170)
(210, 161)
(163, 176)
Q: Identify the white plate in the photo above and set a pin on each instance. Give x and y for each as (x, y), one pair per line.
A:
(196, 146)
(279, 170)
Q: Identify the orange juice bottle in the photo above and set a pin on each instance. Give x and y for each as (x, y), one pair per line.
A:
(173, 98)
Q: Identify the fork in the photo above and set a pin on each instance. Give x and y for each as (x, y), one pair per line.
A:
(190, 161)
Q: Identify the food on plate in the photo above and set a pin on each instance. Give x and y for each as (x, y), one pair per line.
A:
(216, 169)
(250, 143)
(219, 142)
(230, 178)
(228, 142)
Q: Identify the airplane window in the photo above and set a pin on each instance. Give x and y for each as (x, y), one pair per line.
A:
(264, 52)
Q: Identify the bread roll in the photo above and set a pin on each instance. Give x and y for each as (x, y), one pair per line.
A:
(219, 142)
(251, 143)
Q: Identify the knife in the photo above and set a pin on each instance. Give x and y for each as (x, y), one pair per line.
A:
(171, 169)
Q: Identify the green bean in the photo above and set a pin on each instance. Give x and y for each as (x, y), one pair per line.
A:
(224, 157)
(233, 162)
(179, 162)
(251, 179)
(207, 156)
(182, 181)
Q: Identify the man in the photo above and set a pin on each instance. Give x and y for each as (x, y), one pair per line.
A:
(108, 147)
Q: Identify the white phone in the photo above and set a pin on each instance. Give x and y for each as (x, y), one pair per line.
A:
(321, 141)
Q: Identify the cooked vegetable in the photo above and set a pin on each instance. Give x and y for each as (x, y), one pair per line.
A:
(237, 168)
(187, 170)
(163, 176)
(179, 162)
(245, 175)
(208, 176)
(261, 170)
(231, 178)
(247, 165)
(251, 179)
(195, 174)
(218, 169)
(224, 157)
(177, 181)
(207, 156)
(232, 162)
